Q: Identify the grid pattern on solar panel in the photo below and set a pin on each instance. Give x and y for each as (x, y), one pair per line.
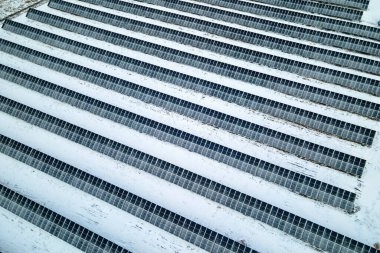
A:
(319, 122)
(171, 54)
(321, 37)
(292, 180)
(323, 155)
(200, 185)
(359, 83)
(256, 78)
(339, 199)
(56, 224)
(158, 216)
(282, 63)
(330, 98)
(147, 48)
(359, 4)
(305, 230)
(352, 28)
(329, 56)
(330, 75)
(308, 6)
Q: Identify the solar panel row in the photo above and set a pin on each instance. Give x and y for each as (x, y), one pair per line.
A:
(325, 74)
(188, 180)
(304, 185)
(343, 26)
(340, 128)
(317, 236)
(360, 4)
(352, 28)
(308, 51)
(207, 115)
(171, 222)
(145, 210)
(55, 224)
(364, 108)
(314, 94)
(316, 121)
(326, 156)
(303, 5)
(282, 63)
(303, 229)
(321, 37)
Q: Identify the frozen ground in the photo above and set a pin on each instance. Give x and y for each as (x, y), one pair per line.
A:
(10, 7)
(140, 236)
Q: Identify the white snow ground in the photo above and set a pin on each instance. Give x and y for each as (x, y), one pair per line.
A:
(127, 230)
(372, 15)
(10, 7)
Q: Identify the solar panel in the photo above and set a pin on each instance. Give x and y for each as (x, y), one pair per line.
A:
(308, 6)
(181, 106)
(310, 232)
(351, 28)
(326, 156)
(319, 122)
(282, 63)
(165, 219)
(54, 223)
(298, 224)
(293, 181)
(314, 35)
(359, 4)
(325, 55)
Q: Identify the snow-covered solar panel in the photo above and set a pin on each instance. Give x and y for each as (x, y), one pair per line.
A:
(222, 30)
(279, 84)
(326, 124)
(186, 179)
(359, 4)
(320, 122)
(254, 189)
(318, 236)
(210, 149)
(54, 223)
(326, 156)
(302, 5)
(293, 181)
(282, 63)
(161, 217)
(321, 37)
(288, 15)
(351, 28)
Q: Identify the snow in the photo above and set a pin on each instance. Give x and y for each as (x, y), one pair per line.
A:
(372, 14)
(140, 236)
(10, 7)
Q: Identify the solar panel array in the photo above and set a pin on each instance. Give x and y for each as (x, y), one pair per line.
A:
(268, 25)
(279, 133)
(359, 4)
(55, 224)
(294, 181)
(328, 97)
(315, 7)
(298, 17)
(310, 232)
(305, 50)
